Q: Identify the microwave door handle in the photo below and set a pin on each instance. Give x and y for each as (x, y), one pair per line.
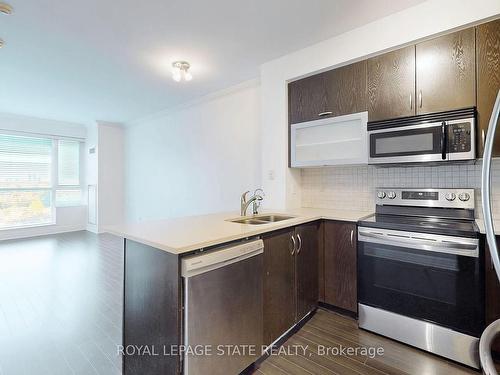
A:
(444, 140)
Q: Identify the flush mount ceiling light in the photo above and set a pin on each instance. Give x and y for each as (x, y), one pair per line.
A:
(5, 8)
(180, 71)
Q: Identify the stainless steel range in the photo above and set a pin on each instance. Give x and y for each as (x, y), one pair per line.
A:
(420, 271)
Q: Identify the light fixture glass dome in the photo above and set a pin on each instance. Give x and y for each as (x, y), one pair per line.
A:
(180, 71)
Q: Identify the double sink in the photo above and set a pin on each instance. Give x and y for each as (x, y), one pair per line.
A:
(261, 219)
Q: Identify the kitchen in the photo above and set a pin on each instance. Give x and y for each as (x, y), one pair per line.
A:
(329, 216)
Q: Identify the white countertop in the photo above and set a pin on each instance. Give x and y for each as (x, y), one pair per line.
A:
(184, 234)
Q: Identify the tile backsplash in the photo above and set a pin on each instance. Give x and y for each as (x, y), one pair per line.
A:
(353, 187)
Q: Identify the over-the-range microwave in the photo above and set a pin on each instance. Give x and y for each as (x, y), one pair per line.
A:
(438, 137)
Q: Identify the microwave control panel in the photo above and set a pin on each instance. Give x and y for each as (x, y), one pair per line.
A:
(459, 137)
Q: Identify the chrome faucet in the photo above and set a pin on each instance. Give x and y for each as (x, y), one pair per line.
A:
(256, 199)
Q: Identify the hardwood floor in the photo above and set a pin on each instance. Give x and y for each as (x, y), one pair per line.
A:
(61, 313)
(330, 330)
(61, 304)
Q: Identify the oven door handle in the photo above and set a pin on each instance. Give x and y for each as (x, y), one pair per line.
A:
(413, 241)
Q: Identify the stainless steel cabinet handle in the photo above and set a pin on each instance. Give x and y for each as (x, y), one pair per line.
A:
(483, 137)
(326, 113)
(352, 234)
(300, 243)
(294, 245)
(411, 101)
(420, 98)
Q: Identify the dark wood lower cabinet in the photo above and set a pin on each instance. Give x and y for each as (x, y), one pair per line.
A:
(152, 309)
(279, 279)
(321, 262)
(307, 268)
(290, 278)
(340, 265)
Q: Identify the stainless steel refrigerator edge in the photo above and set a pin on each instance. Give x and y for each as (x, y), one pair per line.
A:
(493, 330)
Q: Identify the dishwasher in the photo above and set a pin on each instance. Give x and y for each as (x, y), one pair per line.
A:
(223, 309)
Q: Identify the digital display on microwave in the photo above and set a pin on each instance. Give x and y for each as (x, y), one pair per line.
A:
(420, 195)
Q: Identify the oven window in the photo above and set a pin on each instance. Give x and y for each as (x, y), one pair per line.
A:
(406, 142)
(417, 142)
(443, 288)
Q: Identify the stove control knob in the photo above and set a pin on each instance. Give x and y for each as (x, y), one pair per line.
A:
(450, 196)
(381, 194)
(464, 197)
(391, 195)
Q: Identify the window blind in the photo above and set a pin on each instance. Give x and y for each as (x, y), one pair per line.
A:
(68, 192)
(25, 181)
(68, 163)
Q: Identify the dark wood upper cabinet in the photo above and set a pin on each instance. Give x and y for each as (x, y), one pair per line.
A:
(391, 84)
(307, 99)
(340, 265)
(346, 89)
(307, 268)
(488, 79)
(446, 70)
(279, 280)
(337, 92)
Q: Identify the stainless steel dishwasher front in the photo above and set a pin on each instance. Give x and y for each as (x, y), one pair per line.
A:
(223, 309)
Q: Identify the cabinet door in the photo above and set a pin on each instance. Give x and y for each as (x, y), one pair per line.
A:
(279, 284)
(307, 99)
(321, 262)
(488, 79)
(340, 265)
(391, 84)
(492, 294)
(446, 72)
(307, 268)
(346, 89)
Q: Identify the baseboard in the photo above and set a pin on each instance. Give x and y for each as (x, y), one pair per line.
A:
(279, 341)
(338, 310)
(14, 234)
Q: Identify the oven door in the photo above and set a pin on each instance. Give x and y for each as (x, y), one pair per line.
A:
(409, 144)
(429, 277)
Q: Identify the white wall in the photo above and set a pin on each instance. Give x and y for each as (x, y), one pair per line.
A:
(67, 218)
(105, 170)
(426, 19)
(195, 159)
(111, 179)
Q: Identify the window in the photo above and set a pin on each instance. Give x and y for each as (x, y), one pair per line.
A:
(69, 192)
(25, 181)
(33, 181)
(68, 167)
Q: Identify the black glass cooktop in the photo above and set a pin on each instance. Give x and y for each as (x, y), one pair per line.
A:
(447, 227)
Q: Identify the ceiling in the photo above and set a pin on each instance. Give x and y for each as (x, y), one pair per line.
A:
(110, 60)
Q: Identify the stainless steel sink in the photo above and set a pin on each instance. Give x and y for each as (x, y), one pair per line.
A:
(249, 221)
(261, 219)
(273, 218)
